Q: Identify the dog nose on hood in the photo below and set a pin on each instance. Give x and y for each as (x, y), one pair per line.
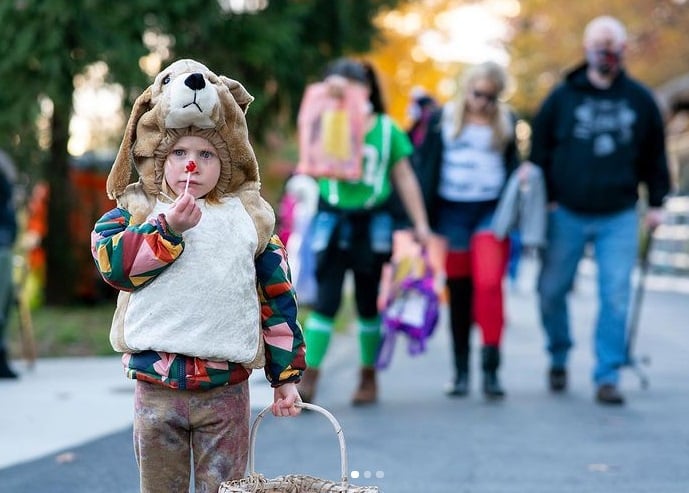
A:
(195, 82)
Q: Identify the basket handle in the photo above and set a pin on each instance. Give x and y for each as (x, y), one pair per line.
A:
(311, 407)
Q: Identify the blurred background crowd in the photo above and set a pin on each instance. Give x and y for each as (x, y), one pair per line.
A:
(72, 69)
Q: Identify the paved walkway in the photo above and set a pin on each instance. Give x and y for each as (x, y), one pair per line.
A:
(64, 402)
(66, 426)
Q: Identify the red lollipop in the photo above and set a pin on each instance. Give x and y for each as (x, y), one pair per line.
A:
(191, 167)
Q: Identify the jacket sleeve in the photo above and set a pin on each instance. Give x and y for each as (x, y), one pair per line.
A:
(8, 230)
(543, 140)
(505, 217)
(282, 333)
(511, 154)
(653, 167)
(129, 256)
(427, 166)
(533, 210)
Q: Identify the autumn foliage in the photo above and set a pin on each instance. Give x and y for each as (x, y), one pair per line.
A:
(543, 38)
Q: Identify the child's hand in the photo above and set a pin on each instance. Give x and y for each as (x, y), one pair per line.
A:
(285, 398)
(183, 214)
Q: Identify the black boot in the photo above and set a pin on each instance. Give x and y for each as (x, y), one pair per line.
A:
(461, 319)
(490, 364)
(459, 387)
(5, 370)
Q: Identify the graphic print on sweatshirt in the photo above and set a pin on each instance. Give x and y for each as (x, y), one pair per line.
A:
(607, 123)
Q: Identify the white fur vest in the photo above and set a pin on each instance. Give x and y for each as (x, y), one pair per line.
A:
(205, 304)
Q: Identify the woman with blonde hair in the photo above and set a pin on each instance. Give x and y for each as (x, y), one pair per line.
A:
(468, 154)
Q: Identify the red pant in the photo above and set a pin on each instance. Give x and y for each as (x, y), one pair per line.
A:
(485, 263)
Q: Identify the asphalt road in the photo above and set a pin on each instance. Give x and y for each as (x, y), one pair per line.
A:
(417, 439)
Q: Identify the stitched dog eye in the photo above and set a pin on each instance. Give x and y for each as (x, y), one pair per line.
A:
(166, 80)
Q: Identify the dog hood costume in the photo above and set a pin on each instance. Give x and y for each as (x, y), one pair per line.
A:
(186, 98)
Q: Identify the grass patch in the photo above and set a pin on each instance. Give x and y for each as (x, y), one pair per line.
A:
(81, 330)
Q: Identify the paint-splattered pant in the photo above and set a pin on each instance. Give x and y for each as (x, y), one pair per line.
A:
(175, 430)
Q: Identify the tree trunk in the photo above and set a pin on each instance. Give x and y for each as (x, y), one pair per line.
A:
(59, 243)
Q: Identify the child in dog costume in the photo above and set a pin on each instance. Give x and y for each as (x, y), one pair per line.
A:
(205, 291)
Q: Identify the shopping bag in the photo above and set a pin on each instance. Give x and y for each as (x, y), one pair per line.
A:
(412, 308)
(404, 244)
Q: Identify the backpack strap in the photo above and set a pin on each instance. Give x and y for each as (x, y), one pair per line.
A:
(386, 144)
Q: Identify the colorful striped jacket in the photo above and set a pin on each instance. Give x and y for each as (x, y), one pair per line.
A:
(282, 334)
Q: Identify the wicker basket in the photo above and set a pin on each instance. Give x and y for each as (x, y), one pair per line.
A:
(295, 483)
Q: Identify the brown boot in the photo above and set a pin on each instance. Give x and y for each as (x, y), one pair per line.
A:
(367, 393)
(307, 385)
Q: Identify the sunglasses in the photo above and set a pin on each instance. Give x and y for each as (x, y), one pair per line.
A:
(488, 96)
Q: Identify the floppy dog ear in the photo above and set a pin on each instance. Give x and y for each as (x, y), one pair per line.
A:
(120, 173)
(240, 95)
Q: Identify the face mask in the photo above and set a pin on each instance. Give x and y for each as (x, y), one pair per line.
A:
(414, 112)
(605, 62)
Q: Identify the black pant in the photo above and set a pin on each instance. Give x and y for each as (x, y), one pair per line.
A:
(330, 279)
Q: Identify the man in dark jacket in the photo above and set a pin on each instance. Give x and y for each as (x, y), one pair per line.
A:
(597, 136)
